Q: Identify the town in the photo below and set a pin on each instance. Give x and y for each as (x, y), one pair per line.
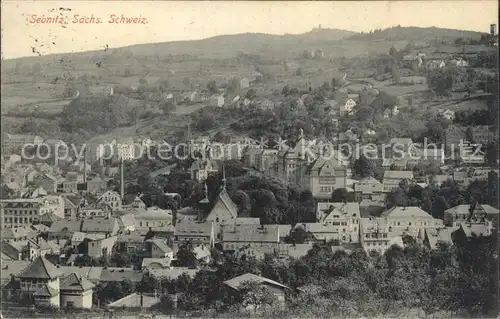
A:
(277, 197)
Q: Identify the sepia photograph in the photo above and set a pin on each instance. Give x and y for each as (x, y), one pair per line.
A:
(249, 159)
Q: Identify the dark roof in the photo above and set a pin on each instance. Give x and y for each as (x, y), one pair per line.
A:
(40, 268)
(74, 283)
(65, 225)
(100, 225)
(73, 199)
(120, 274)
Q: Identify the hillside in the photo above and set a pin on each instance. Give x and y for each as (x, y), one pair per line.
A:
(415, 34)
(223, 46)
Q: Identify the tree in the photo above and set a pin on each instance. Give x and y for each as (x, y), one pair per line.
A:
(251, 94)
(393, 52)
(439, 206)
(143, 82)
(186, 256)
(168, 107)
(396, 77)
(5, 191)
(186, 82)
(212, 87)
(255, 295)
(363, 167)
(342, 195)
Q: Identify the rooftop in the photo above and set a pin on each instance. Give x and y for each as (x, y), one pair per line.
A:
(237, 281)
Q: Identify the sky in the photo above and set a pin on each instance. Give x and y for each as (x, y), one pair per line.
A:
(190, 20)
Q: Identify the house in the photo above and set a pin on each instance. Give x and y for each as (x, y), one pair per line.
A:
(202, 254)
(482, 134)
(466, 231)
(368, 188)
(127, 222)
(375, 235)
(48, 182)
(41, 280)
(112, 199)
(63, 229)
(107, 226)
(393, 178)
(18, 234)
(323, 175)
(275, 288)
(458, 62)
(447, 114)
(197, 232)
(201, 168)
(343, 217)
(244, 83)
(131, 243)
(435, 64)
(159, 248)
(461, 214)
(347, 107)
(100, 247)
(432, 238)
(235, 237)
(408, 220)
(155, 219)
(97, 185)
(76, 292)
(25, 211)
(71, 206)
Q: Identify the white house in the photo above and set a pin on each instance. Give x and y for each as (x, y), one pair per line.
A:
(348, 107)
(447, 114)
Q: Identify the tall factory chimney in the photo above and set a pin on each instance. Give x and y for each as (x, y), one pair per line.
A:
(85, 165)
(122, 183)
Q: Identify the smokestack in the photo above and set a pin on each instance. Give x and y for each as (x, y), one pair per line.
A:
(142, 300)
(122, 186)
(84, 165)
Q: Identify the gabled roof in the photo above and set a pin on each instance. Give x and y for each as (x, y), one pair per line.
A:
(75, 283)
(398, 174)
(187, 227)
(46, 291)
(405, 212)
(251, 233)
(237, 281)
(343, 209)
(101, 225)
(162, 245)
(224, 206)
(40, 268)
(65, 225)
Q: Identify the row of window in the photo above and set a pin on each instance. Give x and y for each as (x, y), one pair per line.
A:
(375, 235)
(9, 220)
(325, 189)
(382, 243)
(21, 212)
